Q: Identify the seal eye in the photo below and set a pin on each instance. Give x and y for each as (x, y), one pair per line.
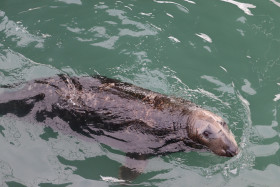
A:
(206, 134)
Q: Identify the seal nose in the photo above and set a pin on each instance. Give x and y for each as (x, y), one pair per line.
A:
(232, 151)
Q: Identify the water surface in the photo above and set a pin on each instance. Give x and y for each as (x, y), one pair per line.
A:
(221, 54)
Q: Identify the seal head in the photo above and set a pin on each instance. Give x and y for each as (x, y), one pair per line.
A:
(211, 130)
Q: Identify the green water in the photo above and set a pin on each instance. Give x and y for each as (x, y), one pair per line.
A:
(222, 55)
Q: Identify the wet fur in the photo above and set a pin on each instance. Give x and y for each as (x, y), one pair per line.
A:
(126, 117)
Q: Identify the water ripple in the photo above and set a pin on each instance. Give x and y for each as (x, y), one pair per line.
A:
(18, 33)
(204, 37)
(174, 39)
(126, 27)
(275, 2)
(247, 88)
(145, 30)
(265, 150)
(17, 67)
(179, 6)
(77, 2)
(266, 131)
(222, 86)
(243, 6)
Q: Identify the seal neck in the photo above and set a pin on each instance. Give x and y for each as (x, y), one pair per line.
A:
(186, 120)
(179, 128)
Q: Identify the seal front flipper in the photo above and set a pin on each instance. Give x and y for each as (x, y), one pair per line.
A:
(133, 167)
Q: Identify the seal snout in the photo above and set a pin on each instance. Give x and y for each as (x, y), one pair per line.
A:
(232, 151)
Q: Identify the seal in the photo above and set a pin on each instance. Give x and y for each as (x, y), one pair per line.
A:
(134, 120)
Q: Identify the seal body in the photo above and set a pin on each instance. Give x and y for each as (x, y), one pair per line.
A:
(121, 115)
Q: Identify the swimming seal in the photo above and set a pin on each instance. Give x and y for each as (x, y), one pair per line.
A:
(134, 120)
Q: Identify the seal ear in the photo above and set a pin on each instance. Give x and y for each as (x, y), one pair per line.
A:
(133, 167)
